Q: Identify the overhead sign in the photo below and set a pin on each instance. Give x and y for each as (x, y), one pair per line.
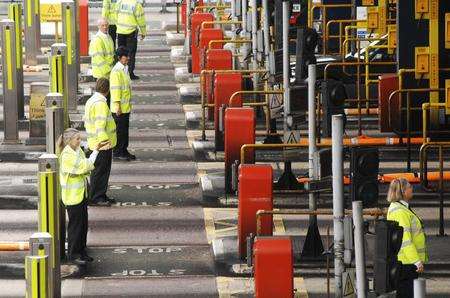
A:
(50, 12)
(292, 137)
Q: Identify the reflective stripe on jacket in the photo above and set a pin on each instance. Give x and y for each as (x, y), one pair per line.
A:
(109, 11)
(130, 17)
(98, 122)
(101, 50)
(74, 170)
(120, 86)
(413, 247)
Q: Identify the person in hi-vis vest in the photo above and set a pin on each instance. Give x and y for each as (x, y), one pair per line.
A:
(73, 175)
(413, 252)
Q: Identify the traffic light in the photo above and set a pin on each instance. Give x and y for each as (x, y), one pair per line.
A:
(333, 100)
(307, 39)
(364, 165)
(388, 241)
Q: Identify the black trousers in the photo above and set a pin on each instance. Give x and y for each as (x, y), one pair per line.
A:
(77, 229)
(130, 42)
(100, 176)
(112, 32)
(406, 283)
(122, 130)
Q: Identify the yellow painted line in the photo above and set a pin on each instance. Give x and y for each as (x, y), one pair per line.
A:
(299, 284)
(69, 34)
(279, 228)
(8, 59)
(209, 224)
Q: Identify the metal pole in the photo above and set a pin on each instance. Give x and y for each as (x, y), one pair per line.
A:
(32, 31)
(312, 135)
(9, 75)
(286, 67)
(49, 211)
(15, 14)
(360, 257)
(54, 120)
(41, 245)
(420, 288)
(187, 44)
(338, 201)
(58, 76)
(37, 281)
(255, 42)
(266, 30)
(69, 20)
(244, 33)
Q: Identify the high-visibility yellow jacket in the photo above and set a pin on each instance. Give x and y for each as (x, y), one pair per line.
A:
(73, 173)
(101, 50)
(130, 17)
(98, 122)
(109, 11)
(413, 247)
(120, 86)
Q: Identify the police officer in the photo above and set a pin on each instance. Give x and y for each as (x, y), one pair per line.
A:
(101, 50)
(130, 20)
(74, 170)
(109, 12)
(413, 252)
(120, 104)
(100, 127)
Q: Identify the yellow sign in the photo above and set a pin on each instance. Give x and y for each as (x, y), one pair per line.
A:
(50, 12)
(37, 101)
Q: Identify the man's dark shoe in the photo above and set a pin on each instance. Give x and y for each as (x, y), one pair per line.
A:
(103, 203)
(79, 261)
(134, 77)
(131, 156)
(111, 200)
(86, 257)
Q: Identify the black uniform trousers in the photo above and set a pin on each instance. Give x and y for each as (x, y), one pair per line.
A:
(112, 32)
(100, 176)
(130, 42)
(77, 229)
(405, 287)
(122, 130)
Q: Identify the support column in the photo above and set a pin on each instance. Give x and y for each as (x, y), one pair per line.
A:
(69, 24)
(9, 75)
(49, 213)
(338, 201)
(36, 268)
(360, 252)
(41, 245)
(54, 120)
(58, 76)
(32, 31)
(15, 14)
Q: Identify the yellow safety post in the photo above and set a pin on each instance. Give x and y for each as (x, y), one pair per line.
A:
(49, 212)
(32, 31)
(9, 76)
(37, 279)
(40, 245)
(15, 14)
(58, 76)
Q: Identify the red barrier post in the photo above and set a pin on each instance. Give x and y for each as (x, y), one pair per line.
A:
(84, 28)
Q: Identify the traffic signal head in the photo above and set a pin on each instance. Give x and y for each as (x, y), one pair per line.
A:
(364, 167)
(388, 241)
(333, 100)
(307, 40)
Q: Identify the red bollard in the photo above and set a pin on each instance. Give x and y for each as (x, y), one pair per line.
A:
(84, 27)
(206, 35)
(196, 21)
(255, 193)
(388, 84)
(239, 130)
(225, 84)
(274, 267)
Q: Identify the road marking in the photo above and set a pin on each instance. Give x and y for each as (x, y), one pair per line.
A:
(229, 287)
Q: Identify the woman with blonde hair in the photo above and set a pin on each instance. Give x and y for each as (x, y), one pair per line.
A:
(73, 173)
(413, 252)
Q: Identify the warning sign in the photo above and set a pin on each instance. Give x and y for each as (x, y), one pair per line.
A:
(37, 100)
(348, 279)
(292, 137)
(50, 12)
